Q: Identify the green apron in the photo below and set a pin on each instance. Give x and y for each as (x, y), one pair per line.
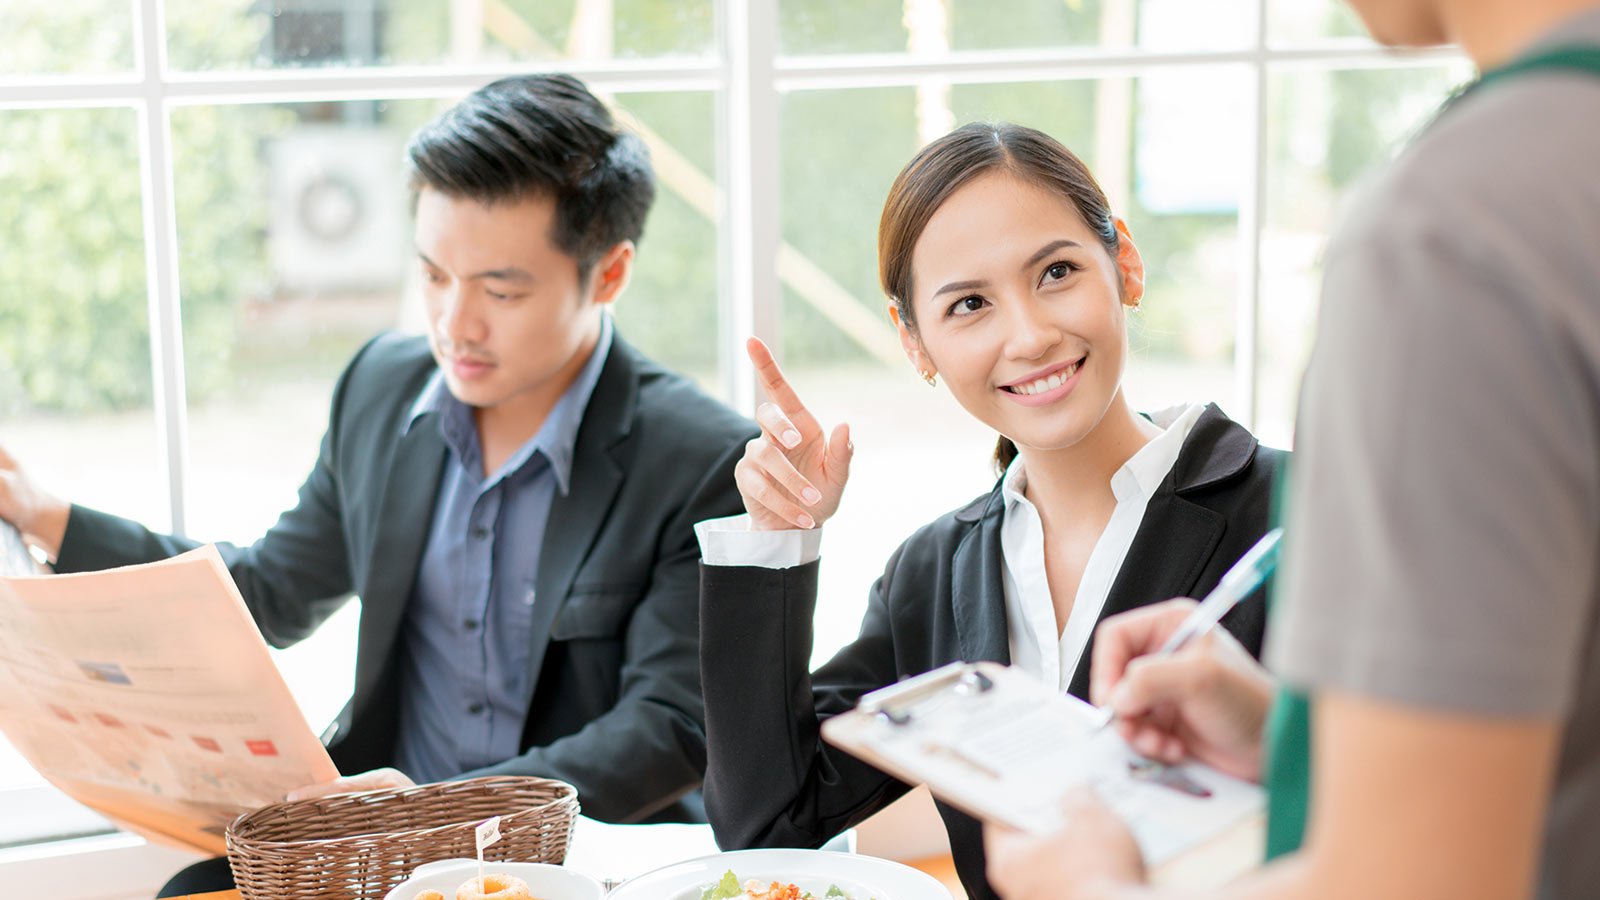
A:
(1288, 738)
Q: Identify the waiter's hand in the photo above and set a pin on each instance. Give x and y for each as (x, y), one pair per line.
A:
(34, 511)
(1208, 701)
(793, 475)
(1093, 855)
(375, 780)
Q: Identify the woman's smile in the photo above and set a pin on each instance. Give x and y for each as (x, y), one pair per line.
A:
(1045, 386)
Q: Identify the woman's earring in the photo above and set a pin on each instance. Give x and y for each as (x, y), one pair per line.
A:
(930, 378)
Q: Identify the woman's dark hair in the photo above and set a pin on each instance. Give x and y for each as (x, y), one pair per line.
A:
(944, 166)
(541, 135)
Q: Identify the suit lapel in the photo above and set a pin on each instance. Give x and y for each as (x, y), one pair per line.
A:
(978, 589)
(1168, 553)
(404, 518)
(598, 468)
(1177, 537)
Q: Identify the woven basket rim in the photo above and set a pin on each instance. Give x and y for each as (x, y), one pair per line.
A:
(564, 794)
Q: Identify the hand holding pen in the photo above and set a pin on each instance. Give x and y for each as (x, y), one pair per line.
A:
(1178, 688)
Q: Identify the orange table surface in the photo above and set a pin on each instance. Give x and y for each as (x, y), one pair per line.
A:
(940, 867)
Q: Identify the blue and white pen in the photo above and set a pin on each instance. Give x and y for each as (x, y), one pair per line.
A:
(1240, 581)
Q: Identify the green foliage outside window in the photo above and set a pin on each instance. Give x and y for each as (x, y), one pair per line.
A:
(73, 320)
(74, 315)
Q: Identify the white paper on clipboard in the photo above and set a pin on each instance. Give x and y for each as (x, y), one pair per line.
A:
(997, 743)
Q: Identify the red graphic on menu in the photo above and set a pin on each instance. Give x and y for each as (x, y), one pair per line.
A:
(157, 731)
(63, 715)
(108, 721)
(205, 743)
(262, 748)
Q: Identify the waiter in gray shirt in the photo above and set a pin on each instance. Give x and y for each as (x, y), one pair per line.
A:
(1436, 727)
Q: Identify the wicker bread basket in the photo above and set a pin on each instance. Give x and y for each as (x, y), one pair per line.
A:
(359, 846)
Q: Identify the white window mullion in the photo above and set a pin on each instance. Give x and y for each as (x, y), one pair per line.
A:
(161, 258)
(748, 141)
(1251, 222)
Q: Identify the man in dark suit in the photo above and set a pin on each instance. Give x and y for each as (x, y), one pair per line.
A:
(513, 498)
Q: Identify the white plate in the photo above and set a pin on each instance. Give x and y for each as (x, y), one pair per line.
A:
(546, 882)
(864, 877)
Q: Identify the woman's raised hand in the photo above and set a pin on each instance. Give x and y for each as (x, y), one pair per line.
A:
(793, 475)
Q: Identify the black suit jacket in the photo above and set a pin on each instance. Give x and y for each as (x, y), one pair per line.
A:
(772, 782)
(616, 705)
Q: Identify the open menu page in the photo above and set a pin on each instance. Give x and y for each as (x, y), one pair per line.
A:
(147, 693)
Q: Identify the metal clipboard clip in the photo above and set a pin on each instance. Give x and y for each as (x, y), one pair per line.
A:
(900, 703)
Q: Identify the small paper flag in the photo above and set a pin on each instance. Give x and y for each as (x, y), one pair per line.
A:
(488, 832)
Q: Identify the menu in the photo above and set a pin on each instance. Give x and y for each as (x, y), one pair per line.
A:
(147, 694)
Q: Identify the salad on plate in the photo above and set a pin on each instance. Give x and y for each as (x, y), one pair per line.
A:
(731, 888)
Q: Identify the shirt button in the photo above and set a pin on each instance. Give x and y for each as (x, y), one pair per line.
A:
(480, 532)
(475, 708)
(470, 624)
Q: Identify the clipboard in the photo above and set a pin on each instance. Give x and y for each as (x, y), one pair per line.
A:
(999, 745)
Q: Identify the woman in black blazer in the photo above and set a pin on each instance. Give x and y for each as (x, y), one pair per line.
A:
(1010, 277)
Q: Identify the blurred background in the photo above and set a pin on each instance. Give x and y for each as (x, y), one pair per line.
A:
(202, 216)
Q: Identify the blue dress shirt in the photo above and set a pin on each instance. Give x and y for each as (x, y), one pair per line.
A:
(465, 685)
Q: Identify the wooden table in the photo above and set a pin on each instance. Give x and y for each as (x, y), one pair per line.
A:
(944, 869)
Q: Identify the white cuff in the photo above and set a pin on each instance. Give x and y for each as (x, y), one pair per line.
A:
(730, 541)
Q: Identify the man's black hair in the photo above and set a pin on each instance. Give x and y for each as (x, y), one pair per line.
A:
(544, 136)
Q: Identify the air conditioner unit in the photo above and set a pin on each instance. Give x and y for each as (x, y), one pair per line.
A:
(339, 218)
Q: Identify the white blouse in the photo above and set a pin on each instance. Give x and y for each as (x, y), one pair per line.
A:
(1040, 646)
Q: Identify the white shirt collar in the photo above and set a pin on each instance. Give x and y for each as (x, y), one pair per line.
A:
(1144, 470)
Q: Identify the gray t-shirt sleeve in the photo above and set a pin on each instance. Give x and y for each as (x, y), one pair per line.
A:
(1442, 532)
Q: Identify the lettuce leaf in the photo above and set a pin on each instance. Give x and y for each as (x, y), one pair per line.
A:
(726, 889)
